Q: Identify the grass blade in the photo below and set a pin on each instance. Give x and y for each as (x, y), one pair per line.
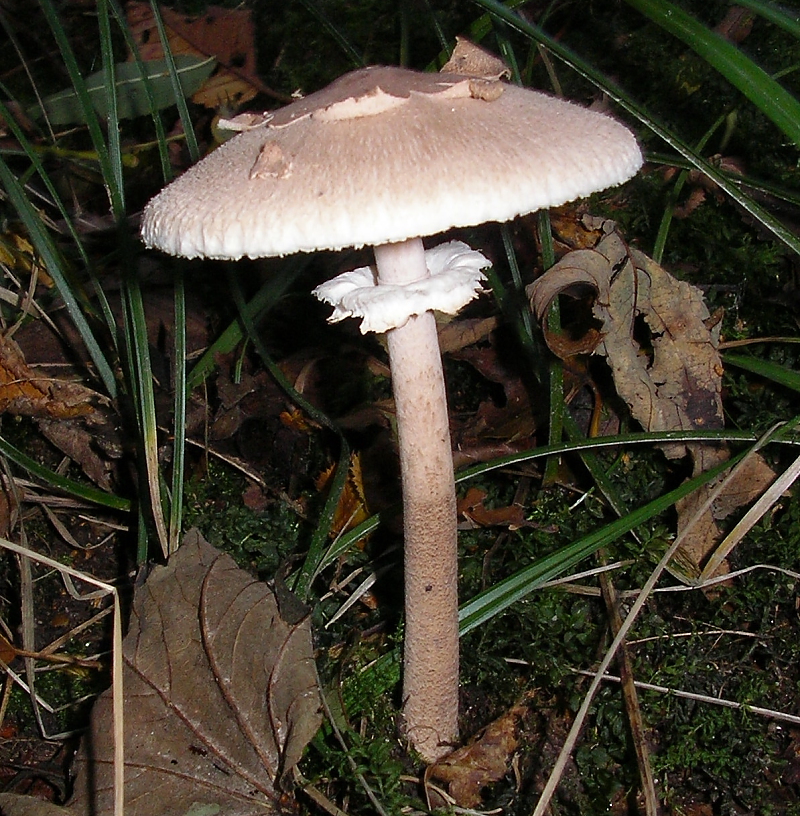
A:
(754, 82)
(177, 91)
(620, 440)
(625, 101)
(56, 265)
(85, 102)
(153, 108)
(110, 94)
(33, 154)
(141, 379)
(56, 480)
(765, 368)
(499, 597)
(179, 416)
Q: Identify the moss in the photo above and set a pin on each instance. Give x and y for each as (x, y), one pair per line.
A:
(258, 541)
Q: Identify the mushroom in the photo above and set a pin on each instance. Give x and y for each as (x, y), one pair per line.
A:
(381, 157)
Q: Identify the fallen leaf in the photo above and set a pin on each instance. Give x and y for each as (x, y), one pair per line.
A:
(352, 507)
(17, 253)
(509, 419)
(226, 34)
(671, 382)
(15, 804)
(25, 392)
(66, 107)
(486, 760)
(469, 59)
(220, 690)
(458, 334)
(661, 345)
(737, 24)
(95, 442)
(471, 508)
(8, 652)
(75, 419)
(575, 229)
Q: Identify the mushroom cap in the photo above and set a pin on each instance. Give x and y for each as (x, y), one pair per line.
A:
(383, 155)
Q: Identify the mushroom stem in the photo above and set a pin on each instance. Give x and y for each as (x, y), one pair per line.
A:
(430, 675)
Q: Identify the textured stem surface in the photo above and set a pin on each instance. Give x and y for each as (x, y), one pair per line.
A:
(430, 676)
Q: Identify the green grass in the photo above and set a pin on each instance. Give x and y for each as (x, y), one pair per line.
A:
(690, 95)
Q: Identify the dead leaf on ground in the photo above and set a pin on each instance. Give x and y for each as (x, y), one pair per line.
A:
(77, 420)
(509, 419)
(486, 760)
(95, 443)
(575, 229)
(228, 35)
(25, 392)
(221, 695)
(471, 508)
(17, 254)
(15, 804)
(458, 334)
(700, 185)
(661, 344)
(737, 24)
(352, 507)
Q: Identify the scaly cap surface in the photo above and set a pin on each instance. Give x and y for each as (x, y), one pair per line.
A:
(382, 155)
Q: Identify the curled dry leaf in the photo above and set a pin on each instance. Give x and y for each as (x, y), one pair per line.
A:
(676, 383)
(661, 344)
(25, 392)
(486, 760)
(474, 513)
(352, 508)
(74, 418)
(221, 695)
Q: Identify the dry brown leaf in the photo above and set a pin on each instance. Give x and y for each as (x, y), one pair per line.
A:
(352, 507)
(469, 59)
(228, 35)
(8, 652)
(737, 24)
(74, 418)
(486, 760)
(739, 489)
(510, 421)
(671, 380)
(576, 230)
(25, 392)
(17, 253)
(674, 385)
(15, 804)
(221, 695)
(94, 442)
(458, 334)
(471, 508)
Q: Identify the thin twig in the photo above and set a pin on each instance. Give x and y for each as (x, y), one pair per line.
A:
(632, 706)
(116, 658)
(353, 765)
(770, 713)
(636, 608)
(751, 517)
